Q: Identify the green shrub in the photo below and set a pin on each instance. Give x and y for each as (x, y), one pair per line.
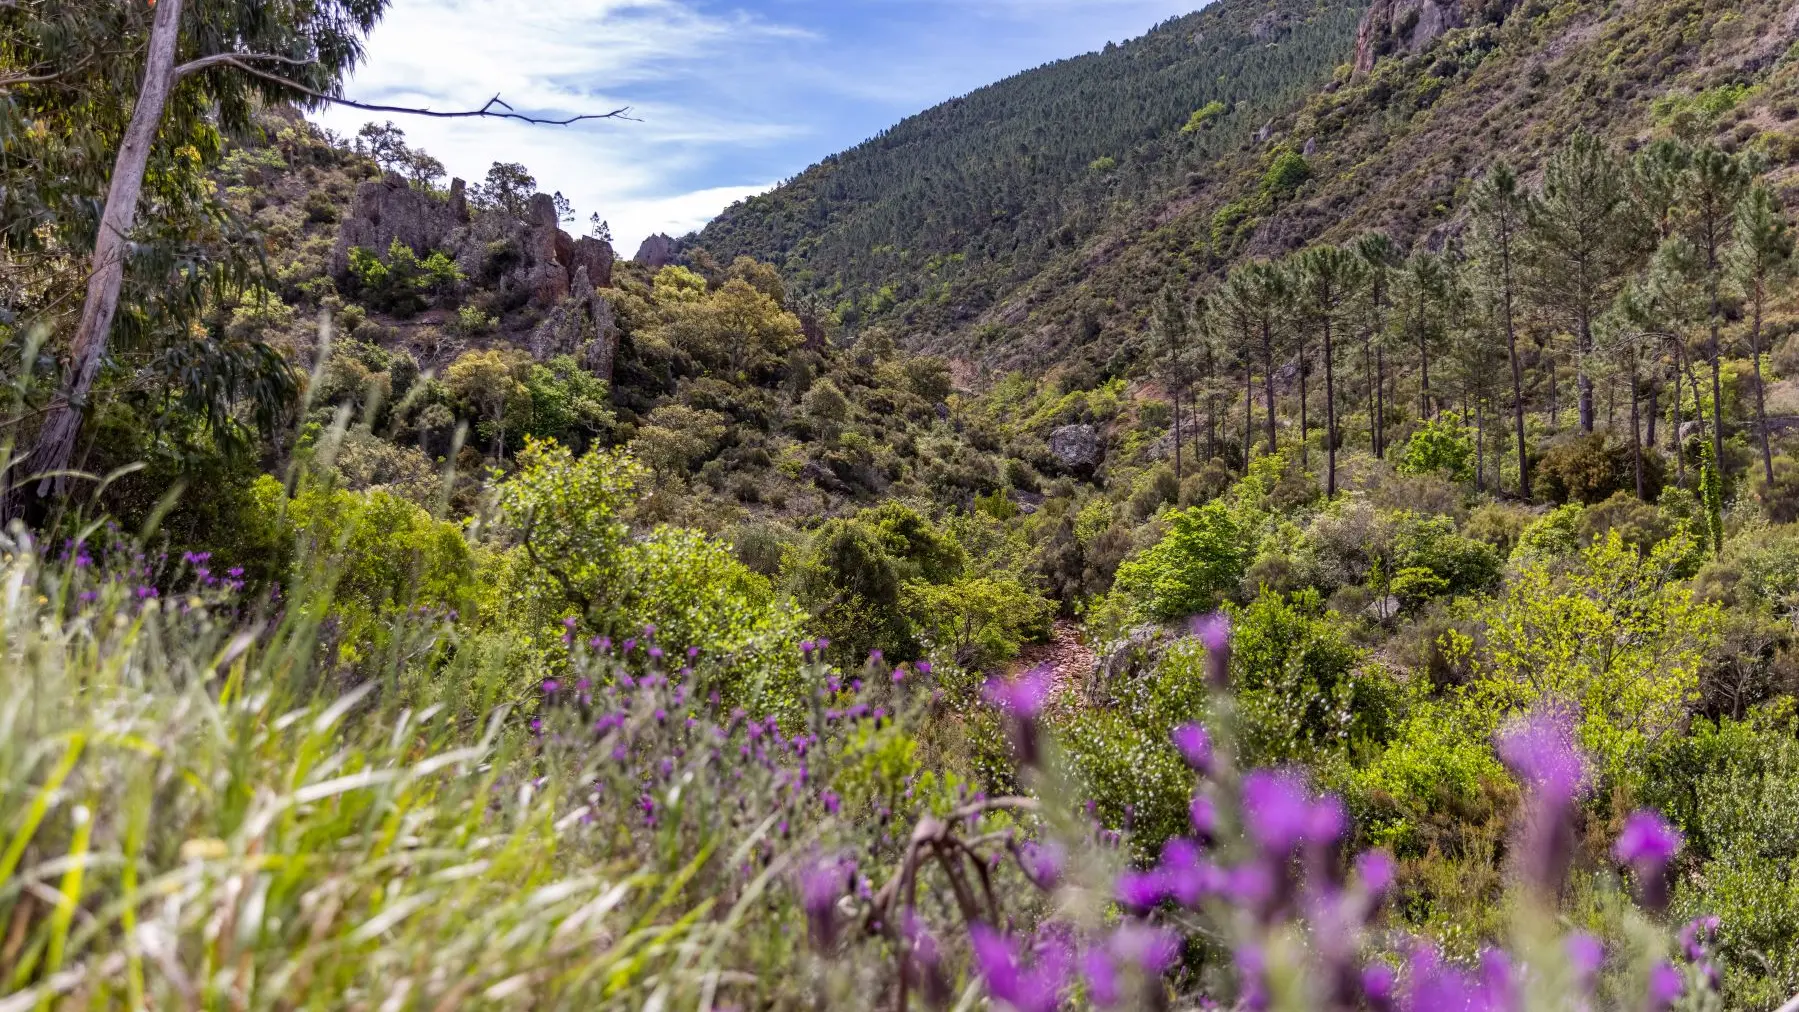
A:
(1440, 447)
(1195, 566)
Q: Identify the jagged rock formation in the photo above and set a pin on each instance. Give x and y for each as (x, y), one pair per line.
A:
(657, 252)
(583, 325)
(530, 261)
(1393, 26)
(390, 208)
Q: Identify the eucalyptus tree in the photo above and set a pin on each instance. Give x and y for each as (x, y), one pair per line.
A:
(1328, 278)
(1586, 235)
(1380, 259)
(1501, 210)
(1763, 254)
(1714, 182)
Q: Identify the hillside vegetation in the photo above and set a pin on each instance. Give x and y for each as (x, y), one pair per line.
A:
(1298, 511)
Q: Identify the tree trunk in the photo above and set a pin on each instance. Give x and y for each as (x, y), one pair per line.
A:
(1680, 450)
(1249, 416)
(1373, 419)
(1177, 438)
(1717, 373)
(1380, 402)
(1330, 413)
(1423, 371)
(1761, 406)
(1511, 347)
(1268, 380)
(1636, 430)
(1480, 445)
(1305, 425)
(56, 440)
(1584, 382)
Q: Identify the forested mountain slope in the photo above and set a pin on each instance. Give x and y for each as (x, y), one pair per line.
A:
(1394, 148)
(944, 213)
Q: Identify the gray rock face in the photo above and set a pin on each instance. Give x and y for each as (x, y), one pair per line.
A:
(1076, 447)
(390, 208)
(657, 252)
(581, 325)
(531, 262)
(1408, 26)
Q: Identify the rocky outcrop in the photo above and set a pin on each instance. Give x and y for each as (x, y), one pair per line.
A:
(1390, 26)
(390, 208)
(531, 261)
(1076, 447)
(657, 252)
(581, 325)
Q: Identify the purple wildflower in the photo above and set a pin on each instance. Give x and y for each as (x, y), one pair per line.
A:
(1101, 977)
(1043, 862)
(1214, 632)
(1665, 986)
(1028, 989)
(821, 884)
(1151, 949)
(1195, 746)
(1377, 985)
(1586, 955)
(1187, 876)
(1647, 844)
(1204, 817)
(1540, 750)
(1023, 699)
(1140, 890)
(1376, 871)
(1278, 810)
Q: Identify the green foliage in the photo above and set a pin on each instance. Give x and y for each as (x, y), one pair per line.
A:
(1196, 565)
(402, 283)
(1435, 769)
(977, 622)
(1440, 446)
(1204, 115)
(1300, 688)
(1591, 469)
(1615, 638)
(1287, 172)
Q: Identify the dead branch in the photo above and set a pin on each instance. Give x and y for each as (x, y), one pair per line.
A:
(494, 108)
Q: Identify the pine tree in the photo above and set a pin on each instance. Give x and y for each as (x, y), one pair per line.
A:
(1379, 258)
(1714, 182)
(1500, 211)
(1328, 277)
(1763, 253)
(1585, 237)
(1255, 296)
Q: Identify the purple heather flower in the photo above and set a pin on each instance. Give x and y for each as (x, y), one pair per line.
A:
(1540, 750)
(821, 884)
(1498, 983)
(1023, 699)
(1697, 934)
(1435, 986)
(1028, 989)
(655, 653)
(550, 685)
(1187, 876)
(924, 667)
(1665, 986)
(630, 645)
(1195, 746)
(1648, 842)
(1377, 985)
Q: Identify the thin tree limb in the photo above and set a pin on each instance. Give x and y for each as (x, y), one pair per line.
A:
(216, 59)
(494, 108)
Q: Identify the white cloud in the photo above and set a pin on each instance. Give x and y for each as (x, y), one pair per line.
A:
(650, 174)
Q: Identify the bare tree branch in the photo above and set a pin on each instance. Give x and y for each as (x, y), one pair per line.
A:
(493, 109)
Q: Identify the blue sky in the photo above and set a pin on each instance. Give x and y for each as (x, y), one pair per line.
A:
(730, 98)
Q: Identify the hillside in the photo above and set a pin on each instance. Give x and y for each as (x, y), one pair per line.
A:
(1391, 140)
(939, 217)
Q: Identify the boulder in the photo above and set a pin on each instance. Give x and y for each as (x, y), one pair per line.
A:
(1076, 447)
(657, 252)
(390, 208)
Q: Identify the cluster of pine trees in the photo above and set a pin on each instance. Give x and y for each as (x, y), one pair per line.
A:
(1615, 273)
